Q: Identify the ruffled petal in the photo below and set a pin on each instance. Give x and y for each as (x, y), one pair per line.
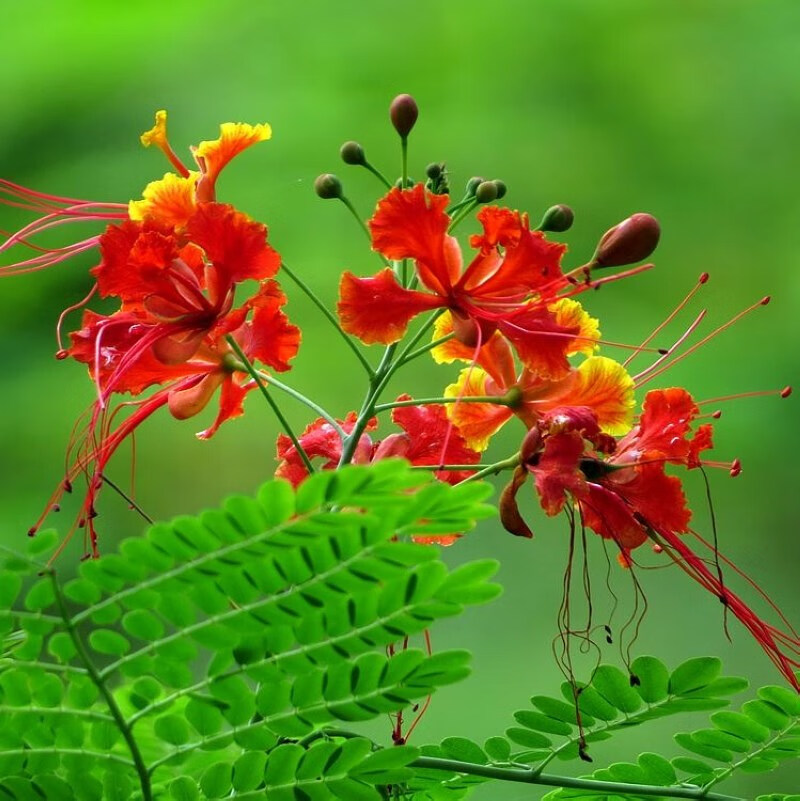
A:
(231, 404)
(607, 514)
(169, 201)
(570, 314)
(702, 441)
(433, 440)
(557, 470)
(476, 422)
(412, 224)
(501, 226)
(234, 137)
(601, 385)
(234, 244)
(273, 339)
(378, 309)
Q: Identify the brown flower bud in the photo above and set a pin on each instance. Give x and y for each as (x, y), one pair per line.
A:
(510, 516)
(557, 218)
(328, 186)
(630, 241)
(403, 113)
(353, 153)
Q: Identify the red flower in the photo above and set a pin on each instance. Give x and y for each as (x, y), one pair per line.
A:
(508, 286)
(628, 498)
(427, 439)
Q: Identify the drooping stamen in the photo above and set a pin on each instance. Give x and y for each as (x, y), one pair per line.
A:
(669, 318)
(763, 302)
(79, 305)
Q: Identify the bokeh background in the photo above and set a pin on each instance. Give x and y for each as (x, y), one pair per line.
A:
(688, 110)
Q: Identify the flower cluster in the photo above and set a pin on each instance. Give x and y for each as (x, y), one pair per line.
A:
(172, 262)
(507, 308)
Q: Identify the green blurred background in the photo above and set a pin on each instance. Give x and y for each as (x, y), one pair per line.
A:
(688, 110)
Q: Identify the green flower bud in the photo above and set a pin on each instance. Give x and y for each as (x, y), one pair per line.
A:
(632, 240)
(486, 192)
(473, 184)
(328, 186)
(434, 171)
(403, 113)
(557, 218)
(501, 188)
(352, 153)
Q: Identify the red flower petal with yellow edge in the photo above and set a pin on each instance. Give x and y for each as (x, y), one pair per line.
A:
(431, 440)
(233, 243)
(412, 224)
(213, 155)
(169, 201)
(378, 309)
(570, 314)
(600, 384)
(494, 356)
(476, 422)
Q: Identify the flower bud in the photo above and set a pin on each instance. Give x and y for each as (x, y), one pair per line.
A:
(501, 188)
(510, 516)
(403, 113)
(328, 186)
(353, 153)
(473, 184)
(409, 183)
(630, 241)
(557, 218)
(434, 171)
(486, 192)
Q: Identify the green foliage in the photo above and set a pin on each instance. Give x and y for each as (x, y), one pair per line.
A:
(203, 660)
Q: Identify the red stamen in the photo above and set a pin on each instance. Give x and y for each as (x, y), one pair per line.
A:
(784, 393)
(669, 318)
(678, 342)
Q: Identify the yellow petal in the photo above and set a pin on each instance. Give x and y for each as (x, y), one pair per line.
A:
(606, 388)
(569, 313)
(170, 201)
(234, 137)
(476, 422)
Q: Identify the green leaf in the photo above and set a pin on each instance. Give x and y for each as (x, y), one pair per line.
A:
(386, 766)
(463, 749)
(43, 542)
(615, 687)
(653, 679)
(539, 722)
(143, 624)
(108, 641)
(528, 738)
(766, 714)
(248, 771)
(690, 743)
(40, 596)
(172, 729)
(498, 749)
(467, 583)
(786, 700)
(216, 781)
(184, 788)
(10, 586)
(741, 725)
(205, 718)
(694, 674)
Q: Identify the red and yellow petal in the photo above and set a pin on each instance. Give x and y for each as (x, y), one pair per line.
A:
(169, 201)
(234, 137)
(603, 386)
(378, 309)
(570, 314)
(495, 356)
(476, 422)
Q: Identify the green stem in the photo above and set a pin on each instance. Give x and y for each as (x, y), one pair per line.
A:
(491, 469)
(403, 179)
(468, 207)
(307, 401)
(529, 776)
(116, 713)
(425, 348)
(274, 406)
(378, 174)
(454, 467)
(498, 400)
(330, 316)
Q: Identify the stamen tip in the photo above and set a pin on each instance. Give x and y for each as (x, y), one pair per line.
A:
(736, 468)
(32, 531)
(703, 278)
(786, 391)
(765, 300)
(663, 351)
(716, 415)
(61, 354)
